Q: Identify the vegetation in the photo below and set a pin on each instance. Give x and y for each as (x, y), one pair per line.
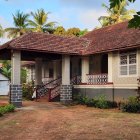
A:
(6, 109)
(135, 21)
(6, 70)
(1, 31)
(60, 31)
(70, 32)
(21, 25)
(117, 14)
(40, 22)
(131, 106)
(27, 90)
(98, 102)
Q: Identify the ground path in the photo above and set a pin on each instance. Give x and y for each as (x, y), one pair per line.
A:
(53, 121)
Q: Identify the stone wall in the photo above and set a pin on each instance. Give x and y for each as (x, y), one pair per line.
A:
(66, 94)
(16, 95)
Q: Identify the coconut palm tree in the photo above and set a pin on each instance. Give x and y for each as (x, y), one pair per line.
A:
(1, 31)
(117, 14)
(39, 22)
(21, 25)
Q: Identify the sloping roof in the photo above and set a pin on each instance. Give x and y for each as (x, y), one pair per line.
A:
(42, 42)
(111, 38)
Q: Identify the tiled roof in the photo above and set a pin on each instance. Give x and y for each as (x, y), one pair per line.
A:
(42, 42)
(111, 38)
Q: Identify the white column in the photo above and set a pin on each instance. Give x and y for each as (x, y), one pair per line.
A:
(85, 68)
(46, 69)
(16, 68)
(38, 71)
(65, 70)
(55, 69)
(43, 70)
(16, 88)
(110, 67)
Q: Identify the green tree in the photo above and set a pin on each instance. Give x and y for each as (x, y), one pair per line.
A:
(1, 31)
(117, 14)
(40, 22)
(60, 31)
(135, 21)
(83, 32)
(73, 32)
(6, 70)
(21, 25)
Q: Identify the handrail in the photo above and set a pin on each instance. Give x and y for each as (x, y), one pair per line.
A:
(50, 92)
(48, 83)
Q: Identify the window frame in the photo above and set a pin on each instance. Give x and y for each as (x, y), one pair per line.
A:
(128, 65)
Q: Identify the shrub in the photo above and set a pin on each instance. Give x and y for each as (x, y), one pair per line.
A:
(28, 90)
(101, 102)
(6, 109)
(91, 103)
(98, 102)
(81, 99)
(131, 106)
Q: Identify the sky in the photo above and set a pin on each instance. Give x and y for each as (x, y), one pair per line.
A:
(83, 14)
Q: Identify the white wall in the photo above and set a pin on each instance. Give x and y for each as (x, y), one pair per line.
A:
(4, 85)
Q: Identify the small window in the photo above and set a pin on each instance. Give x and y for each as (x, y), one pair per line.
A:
(128, 63)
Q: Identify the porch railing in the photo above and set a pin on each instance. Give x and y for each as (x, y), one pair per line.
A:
(97, 79)
(76, 80)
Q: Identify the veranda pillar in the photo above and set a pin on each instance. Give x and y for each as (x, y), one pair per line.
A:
(16, 89)
(55, 70)
(66, 88)
(85, 68)
(110, 67)
(38, 71)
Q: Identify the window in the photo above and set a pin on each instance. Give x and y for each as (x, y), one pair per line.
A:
(128, 63)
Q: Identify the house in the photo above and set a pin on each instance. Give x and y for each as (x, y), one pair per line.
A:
(4, 84)
(105, 61)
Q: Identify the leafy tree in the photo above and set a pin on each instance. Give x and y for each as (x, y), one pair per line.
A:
(135, 21)
(117, 14)
(60, 31)
(21, 24)
(1, 31)
(83, 32)
(73, 32)
(39, 22)
(6, 70)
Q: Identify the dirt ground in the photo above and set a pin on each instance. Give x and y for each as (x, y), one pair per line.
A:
(52, 121)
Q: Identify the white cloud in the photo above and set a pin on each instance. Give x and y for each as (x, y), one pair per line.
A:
(82, 18)
(89, 18)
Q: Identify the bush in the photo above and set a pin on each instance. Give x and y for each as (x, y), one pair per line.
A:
(6, 109)
(28, 90)
(101, 102)
(98, 102)
(131, 106)
(81, 99)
